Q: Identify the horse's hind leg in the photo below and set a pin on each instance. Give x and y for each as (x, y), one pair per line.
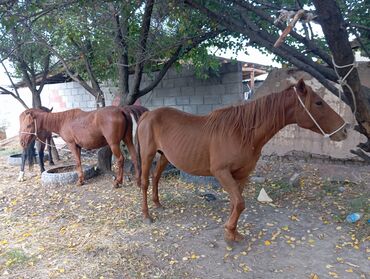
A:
(161, 165)
(119, 157)
(146, 163)
(76, 151)
(237, 204)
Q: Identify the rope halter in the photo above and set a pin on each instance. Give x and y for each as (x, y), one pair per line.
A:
(34, 133)
(313, 119)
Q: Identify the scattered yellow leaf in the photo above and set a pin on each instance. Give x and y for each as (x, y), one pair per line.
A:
(314, 276)
(267, 242)
(349, 270)
(285, 228)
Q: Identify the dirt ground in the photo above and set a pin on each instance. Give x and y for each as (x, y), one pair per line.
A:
(96, 231)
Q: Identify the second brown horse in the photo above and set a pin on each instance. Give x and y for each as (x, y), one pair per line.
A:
(89, 130)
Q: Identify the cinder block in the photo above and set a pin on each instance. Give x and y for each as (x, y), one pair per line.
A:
(183, 100)
(234, 88)
(170, 101)
(181, 81)
(196, 100)
(232, 78)
(168, 92)
(168, 83)
(157, 102)
(228, 99)
(204, 109)
(187, 91)
(210, 90)
(190, 109)
(212, 100)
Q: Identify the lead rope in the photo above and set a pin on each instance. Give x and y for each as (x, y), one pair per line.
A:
(342, 81)
(313, 119)
(37, 137)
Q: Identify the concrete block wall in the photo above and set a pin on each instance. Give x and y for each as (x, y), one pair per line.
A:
(183, 91)
(178, 89)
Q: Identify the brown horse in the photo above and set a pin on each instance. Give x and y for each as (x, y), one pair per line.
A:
(227, 143)
(28, 153)
(89, 130)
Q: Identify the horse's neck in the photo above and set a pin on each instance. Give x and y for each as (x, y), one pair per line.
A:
(272, 125)
(53, 121)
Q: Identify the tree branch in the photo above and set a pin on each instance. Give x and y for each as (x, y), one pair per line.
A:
(181, 50)
(142, 45)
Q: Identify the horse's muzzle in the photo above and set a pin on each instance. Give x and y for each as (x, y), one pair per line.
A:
(340, 135)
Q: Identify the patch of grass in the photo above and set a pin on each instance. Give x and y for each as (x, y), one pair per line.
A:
(15, 257)
(330, 188)
(278, 189)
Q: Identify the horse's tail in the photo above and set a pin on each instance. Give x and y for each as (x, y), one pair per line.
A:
(136, 116)
(137, 147)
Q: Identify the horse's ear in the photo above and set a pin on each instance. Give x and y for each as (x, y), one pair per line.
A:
(50, 110)
(301, 87)
(30, 113)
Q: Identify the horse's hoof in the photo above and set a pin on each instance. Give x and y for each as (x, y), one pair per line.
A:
(233, 236)
(158, 206)
(148, 220)
(80, 183)
(117, 185)
(51, 164)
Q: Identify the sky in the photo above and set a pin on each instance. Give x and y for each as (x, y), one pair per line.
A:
(251, 55)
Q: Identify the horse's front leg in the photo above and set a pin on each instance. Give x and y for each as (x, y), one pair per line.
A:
(21, 172)
(115, 148)
(237, 204)
(40, 151)
(76, 151)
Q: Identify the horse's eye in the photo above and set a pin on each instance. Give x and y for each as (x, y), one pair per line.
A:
(29, 126)
(319, 103)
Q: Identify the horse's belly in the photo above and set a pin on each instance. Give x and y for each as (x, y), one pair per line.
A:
(92, 143)
(191, 164)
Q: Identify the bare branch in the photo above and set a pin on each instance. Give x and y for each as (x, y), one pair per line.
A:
(142, 47)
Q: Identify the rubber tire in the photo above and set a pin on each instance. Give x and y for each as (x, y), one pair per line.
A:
(200, 180)
(50, 177)
(16, 159)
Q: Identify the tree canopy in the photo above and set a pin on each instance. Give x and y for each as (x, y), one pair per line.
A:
(112, 40)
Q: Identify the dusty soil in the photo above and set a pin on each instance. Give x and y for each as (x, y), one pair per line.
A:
(96, 231)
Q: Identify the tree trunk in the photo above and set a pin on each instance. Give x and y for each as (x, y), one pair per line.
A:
(105, 159)
(36, 100)
(334, 28)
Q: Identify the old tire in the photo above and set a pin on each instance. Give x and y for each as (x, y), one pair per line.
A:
(16, 159)
(199, 180)
(65, 175)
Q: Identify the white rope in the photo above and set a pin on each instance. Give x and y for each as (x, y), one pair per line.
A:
(342, 81)
(37, 137)
(314, 121)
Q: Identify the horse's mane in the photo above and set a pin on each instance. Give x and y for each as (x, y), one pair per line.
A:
(244, 119)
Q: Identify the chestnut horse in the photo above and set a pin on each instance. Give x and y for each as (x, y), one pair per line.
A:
(28, 153)
(227, 143)
(89, 130)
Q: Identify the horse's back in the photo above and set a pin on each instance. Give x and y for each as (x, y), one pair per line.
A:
(179, 136)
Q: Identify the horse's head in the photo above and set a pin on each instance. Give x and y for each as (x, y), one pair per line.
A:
(313, 113)
(27, 130)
